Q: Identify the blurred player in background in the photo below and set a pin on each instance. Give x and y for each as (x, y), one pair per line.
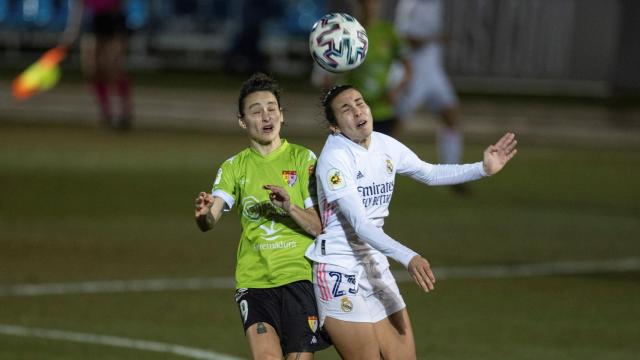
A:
(385, 48)
(359, 302)
(272, 184)
(245, 54)
(103, 55)
(419, 22)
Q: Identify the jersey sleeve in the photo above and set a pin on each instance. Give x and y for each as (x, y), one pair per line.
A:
(408, 162)
(224, 186)
(335, 175)
(442, 174)
(353, 210)
(308, 178)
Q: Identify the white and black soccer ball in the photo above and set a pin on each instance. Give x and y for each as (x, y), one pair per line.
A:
(338, 42)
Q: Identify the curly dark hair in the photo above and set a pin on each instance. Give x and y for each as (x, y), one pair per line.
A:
(257, 82)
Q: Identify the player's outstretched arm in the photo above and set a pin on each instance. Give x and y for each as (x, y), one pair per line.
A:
(496, 156)
(308, 219)
(420, 271)
(208, 210)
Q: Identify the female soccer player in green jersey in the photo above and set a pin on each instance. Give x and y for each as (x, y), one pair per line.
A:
(272, 184)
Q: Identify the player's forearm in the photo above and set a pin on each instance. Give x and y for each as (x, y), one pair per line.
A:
(207, 221)
(307, 219)
(447, 174)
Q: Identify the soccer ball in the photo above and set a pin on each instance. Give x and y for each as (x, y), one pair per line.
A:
(338, 42)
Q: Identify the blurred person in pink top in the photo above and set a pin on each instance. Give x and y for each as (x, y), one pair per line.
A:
(102, 47)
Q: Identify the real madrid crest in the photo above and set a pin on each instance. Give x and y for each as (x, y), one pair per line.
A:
(346, 305)
(389, 167)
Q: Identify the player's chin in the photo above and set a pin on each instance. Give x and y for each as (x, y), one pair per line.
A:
(268, 137)
(366, 129)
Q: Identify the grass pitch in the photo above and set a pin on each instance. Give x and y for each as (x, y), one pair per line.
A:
(79, 204)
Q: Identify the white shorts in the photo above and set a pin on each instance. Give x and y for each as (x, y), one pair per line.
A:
(368, 293)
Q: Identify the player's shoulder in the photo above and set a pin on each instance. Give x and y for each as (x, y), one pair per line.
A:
(301, 152)
(384, 138)
(237, 159)
(335, 147)
(386, 143)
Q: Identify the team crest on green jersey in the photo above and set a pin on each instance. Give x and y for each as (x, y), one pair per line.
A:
(290, 177)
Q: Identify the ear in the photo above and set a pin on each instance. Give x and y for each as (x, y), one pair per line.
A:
(241, 122)
(334, 129)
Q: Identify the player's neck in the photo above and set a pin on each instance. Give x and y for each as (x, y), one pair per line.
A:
(265, 149)
(362, 142)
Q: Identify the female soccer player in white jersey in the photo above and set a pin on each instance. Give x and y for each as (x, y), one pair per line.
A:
(359, 302)
(272, 183)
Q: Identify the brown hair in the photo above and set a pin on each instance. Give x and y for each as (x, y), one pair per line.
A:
(257, 82)
(328, 97)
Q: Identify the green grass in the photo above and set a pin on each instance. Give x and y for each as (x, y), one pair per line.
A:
(78, 204)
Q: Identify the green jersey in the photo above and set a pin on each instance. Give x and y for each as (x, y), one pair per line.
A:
(272, 245)
(370, 78)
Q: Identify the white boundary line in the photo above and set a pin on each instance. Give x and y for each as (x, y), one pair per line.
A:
(115, 341)
(118, 286)
(490, 272)
(456, 272)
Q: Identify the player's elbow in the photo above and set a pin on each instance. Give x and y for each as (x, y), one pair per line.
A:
(315, 229)
(359, 230)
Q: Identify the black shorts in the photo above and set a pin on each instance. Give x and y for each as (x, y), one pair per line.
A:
(291, 310)
(109, 24)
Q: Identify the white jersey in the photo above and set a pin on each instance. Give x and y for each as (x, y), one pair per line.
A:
(423, 19)
(345, 168)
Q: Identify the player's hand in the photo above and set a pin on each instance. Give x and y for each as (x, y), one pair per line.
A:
(279, 197)
(421, 273)
(204, 201)
(496, 156)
